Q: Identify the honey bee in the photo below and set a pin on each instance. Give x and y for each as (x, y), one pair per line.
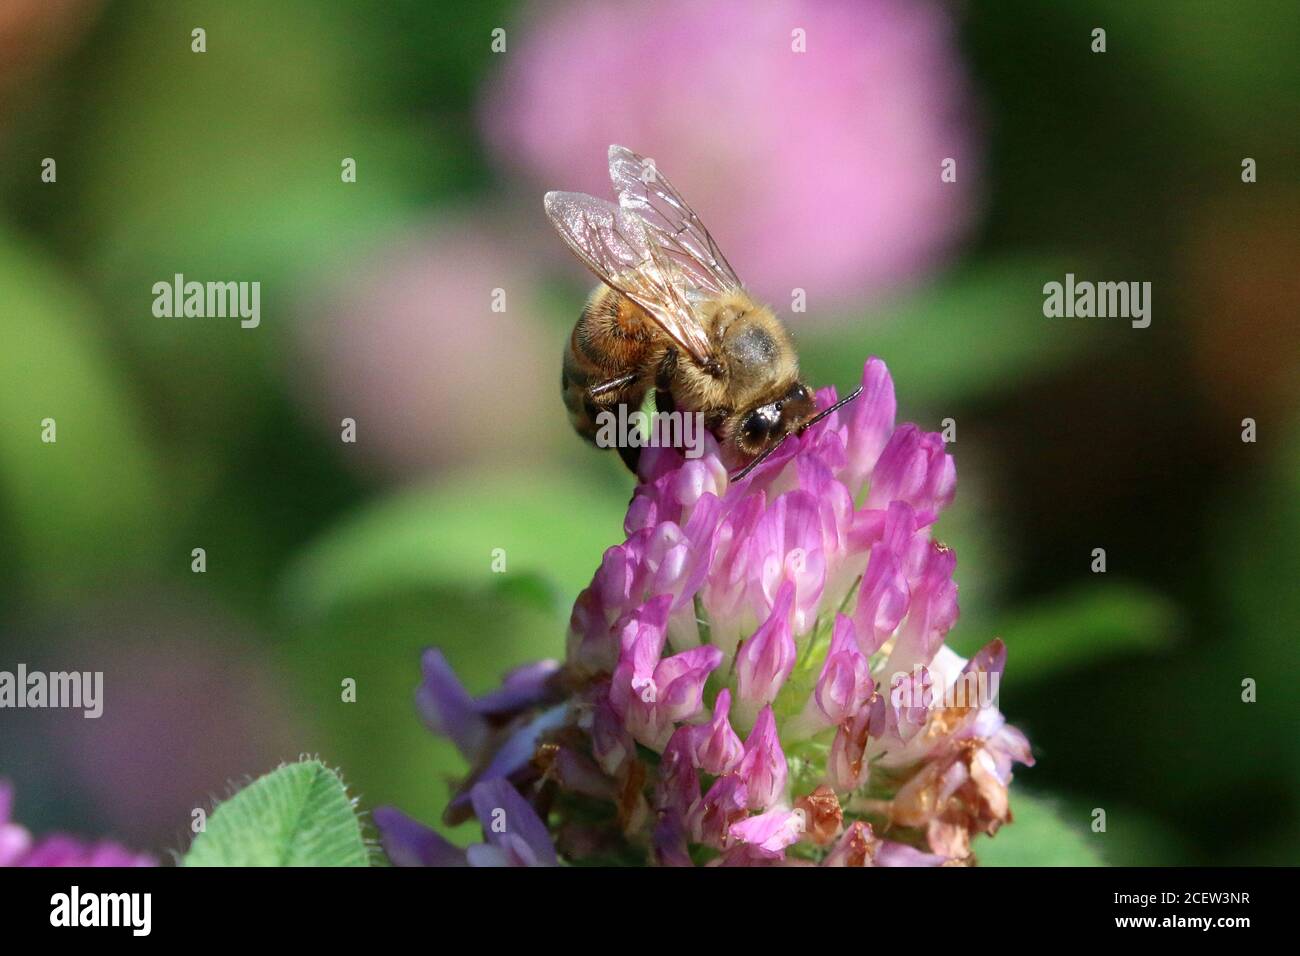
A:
(672, 316)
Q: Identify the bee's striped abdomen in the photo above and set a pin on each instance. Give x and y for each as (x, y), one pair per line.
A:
(613, 337)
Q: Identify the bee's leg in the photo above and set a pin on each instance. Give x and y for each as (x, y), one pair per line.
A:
(631, 457)
(607, 397)
(664, 381)
(605, 392)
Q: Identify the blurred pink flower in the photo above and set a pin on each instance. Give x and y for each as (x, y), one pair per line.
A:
(19, 848)
(184, 676)
(817, 170)
(412, 350)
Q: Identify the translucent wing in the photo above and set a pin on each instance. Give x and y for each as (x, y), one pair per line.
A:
(623, 251)
(673, 225)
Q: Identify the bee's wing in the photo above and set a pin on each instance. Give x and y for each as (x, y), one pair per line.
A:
(619, 247)
(673, 225)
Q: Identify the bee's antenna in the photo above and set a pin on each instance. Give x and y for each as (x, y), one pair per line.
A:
(759, 460)
(808, 424)
(826, 411)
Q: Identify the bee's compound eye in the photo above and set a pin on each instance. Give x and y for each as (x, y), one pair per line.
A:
(758, 424)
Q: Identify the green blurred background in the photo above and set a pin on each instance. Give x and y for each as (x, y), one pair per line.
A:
(328, 560)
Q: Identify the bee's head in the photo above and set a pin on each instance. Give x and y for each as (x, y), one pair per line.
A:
(764, 425)
(761, 428)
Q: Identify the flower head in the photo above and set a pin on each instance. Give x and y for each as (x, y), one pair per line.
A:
(19, 848)
(758, 673)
